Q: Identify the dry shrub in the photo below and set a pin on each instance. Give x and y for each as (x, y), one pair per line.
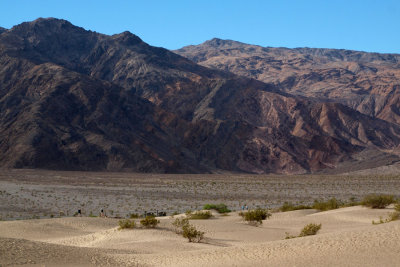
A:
(330, 204)
(149, 222)
(378, 201)
(134, 216)
(288, 206)
(393, 216)
(187, 230)
(310, 229)
(126, 224)
(220, 208)
(397, 207)
(179, 224)
(255, 217)
(191, 233)
(200, 215)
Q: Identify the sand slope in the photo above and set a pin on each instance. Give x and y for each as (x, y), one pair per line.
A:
(347, 238)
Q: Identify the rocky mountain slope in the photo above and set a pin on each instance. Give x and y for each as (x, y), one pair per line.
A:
(76, 99)
(367, 82)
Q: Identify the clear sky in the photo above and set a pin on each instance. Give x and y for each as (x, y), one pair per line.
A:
(367, 25)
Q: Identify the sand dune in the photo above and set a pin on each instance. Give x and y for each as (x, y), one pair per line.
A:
(347, 238)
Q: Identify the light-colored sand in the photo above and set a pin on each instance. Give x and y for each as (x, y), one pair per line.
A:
(347, 238)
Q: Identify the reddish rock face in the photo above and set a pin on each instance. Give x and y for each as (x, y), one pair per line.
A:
(75, 99)
(366, 82)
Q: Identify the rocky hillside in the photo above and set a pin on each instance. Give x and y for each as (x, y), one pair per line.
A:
(76, 99)
(367, 82)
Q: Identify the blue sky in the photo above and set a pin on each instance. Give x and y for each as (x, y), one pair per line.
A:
(367, 25)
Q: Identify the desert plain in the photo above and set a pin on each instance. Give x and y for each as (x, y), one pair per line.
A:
(38, 226)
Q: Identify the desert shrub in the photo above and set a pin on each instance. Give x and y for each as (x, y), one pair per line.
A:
(134, 216)
(188, 212)
(179, 224)
(288, 236)
(200, 215)
(175, 213)
(310, 229)
(220, 208)
(393, 216)
(378, 222)
(330, 204)
(255, 216)
(288, 206)
(149, 222)
(397, 207)
(126, 224)
(351, 202)
(378, 201)
(191, 233)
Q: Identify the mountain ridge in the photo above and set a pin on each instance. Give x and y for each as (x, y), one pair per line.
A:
(100, 102)
(366, 82)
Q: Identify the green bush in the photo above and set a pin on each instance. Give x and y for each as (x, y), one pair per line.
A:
(378, 201)
(191, 233)
(149, 222)
(179, 224)
(255, 216)
(288, 206)
(200, 215)
(330, 204)
(310, 229)
(220, 208)
(126, 224)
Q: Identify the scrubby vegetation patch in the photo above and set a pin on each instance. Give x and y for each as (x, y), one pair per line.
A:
(199, 215)
(220, 208)
(126, 224)
(183, 227)
(149, 222)
(255, 217)
(378, 201)
(309, 229)
(288, 206)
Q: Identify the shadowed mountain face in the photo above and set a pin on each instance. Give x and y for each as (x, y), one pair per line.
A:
(367, 82)
(75, 99)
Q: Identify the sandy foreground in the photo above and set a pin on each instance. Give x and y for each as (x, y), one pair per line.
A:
(347, 238)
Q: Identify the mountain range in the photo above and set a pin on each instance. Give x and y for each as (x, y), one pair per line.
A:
(73, 99)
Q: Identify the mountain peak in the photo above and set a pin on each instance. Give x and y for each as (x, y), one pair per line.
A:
(49, 25)
(127, 38)
(216, 42)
